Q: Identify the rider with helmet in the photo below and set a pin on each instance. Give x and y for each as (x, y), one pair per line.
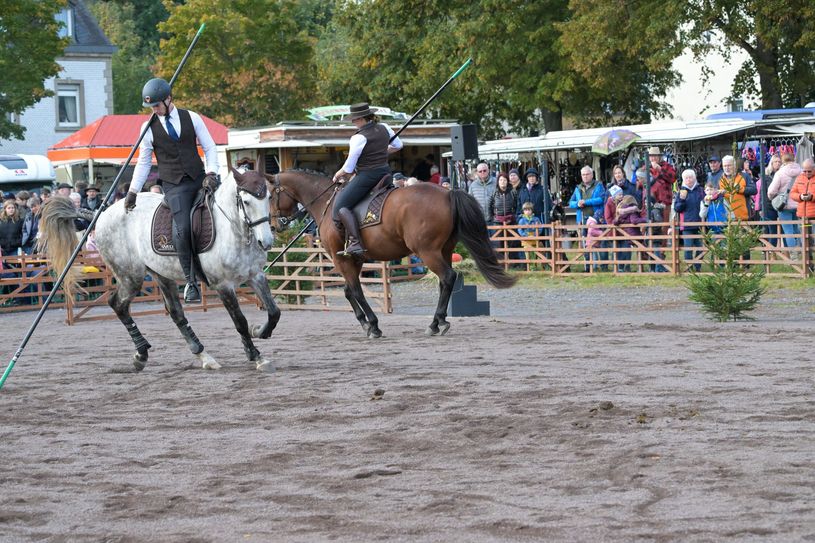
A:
(172, 137)
(368, 155)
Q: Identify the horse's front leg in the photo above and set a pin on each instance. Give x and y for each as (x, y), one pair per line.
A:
(261, 288)
(230, 301)
(355, 287)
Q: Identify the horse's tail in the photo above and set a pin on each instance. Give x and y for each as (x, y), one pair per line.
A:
(58, 237)
(471, 228)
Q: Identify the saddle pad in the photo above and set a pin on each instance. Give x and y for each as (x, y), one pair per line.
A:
(203, 230)
(369, 210)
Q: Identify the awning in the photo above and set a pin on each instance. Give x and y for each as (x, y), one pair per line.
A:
(654, 133)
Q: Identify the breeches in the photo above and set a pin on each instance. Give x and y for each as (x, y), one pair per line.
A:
(358, 188)
(180, 198)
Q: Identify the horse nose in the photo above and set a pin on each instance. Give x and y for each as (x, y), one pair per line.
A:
(266, 242)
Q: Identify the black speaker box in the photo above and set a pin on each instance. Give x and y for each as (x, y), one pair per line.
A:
(465, 142)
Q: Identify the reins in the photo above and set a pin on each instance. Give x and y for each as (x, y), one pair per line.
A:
(278, 188)
(241, 207)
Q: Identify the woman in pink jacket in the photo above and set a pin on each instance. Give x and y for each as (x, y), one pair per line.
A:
(782, 184)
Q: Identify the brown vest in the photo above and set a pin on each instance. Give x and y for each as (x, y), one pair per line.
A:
(177, 158)
(375, 153)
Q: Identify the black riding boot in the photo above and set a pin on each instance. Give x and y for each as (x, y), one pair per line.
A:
(192, 295)
(353, 242)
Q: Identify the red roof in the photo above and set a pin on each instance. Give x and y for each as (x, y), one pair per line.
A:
(123, 131)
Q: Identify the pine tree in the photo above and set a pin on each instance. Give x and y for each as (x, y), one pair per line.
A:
(733, 288)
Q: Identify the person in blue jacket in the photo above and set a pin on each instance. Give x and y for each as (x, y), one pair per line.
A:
(687, 204)
(588, 196)
(533, 192)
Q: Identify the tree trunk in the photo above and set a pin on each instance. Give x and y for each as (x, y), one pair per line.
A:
(766, 62)
(552, 120)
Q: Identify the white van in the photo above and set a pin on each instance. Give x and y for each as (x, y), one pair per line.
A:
(25, 172)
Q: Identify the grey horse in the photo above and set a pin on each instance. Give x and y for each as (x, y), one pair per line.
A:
(243, 237)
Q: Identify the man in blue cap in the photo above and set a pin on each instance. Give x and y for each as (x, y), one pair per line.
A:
(716, 171)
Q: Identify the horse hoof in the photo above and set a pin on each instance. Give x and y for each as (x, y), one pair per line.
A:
(139, 361)
(430, 331)
(256, 329)
(265, 366)
(444, 328)
(207, 362)
(374, 333)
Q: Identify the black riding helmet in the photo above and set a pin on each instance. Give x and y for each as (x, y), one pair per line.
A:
(155, 91)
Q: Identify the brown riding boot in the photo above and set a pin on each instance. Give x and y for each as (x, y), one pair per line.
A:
(353, 243)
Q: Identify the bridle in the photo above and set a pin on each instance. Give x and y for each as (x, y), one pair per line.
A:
(239, 202)
(259, 194)
(277, 189)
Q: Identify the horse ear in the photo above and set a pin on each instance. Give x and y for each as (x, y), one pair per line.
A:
(236, 174)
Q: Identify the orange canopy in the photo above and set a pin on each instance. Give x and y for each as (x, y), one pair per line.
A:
(109, 139)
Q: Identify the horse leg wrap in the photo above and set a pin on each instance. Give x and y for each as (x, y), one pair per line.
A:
(196, 347)
(138, 340)
(249, 348)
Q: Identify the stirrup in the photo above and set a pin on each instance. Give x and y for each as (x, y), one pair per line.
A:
(352, 248)
(191, 294)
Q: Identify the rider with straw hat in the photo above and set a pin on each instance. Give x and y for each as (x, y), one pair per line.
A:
(368, 156)
(172, 137)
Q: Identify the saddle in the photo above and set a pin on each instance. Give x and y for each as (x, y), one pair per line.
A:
(369, 210)
(203, 228)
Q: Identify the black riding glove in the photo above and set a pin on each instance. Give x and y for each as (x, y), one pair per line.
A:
(130, 201)
(211, 182)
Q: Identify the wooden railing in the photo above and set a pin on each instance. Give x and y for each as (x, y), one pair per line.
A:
(305, 277)
(655, 248)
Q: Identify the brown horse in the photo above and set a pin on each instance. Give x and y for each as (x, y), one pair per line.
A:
(423, 219)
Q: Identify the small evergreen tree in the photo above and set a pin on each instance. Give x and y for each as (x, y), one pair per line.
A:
(733, 288)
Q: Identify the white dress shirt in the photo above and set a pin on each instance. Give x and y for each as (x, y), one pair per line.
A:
(142, 169)
(358, 142)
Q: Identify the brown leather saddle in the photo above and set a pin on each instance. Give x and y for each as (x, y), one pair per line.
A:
(203, 228)
(369, 210)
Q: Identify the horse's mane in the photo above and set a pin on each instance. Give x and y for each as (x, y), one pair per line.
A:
(314, 173)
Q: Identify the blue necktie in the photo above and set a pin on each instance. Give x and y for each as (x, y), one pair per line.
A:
(170, 129)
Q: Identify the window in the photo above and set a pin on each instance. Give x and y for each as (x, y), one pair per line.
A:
(69, 105)
(735, 105)
(66, 17)
(13, 118)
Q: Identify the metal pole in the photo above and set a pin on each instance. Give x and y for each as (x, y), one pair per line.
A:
(424, 106)
(287, 247)
(105, 203)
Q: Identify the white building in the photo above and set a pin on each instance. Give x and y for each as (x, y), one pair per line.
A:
(83, 90)
(692, 100)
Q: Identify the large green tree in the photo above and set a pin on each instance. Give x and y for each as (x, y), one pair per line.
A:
(603, 36)
(251, 65)
(397, 53)
(29, 46)
(778, 37)
(132, 62)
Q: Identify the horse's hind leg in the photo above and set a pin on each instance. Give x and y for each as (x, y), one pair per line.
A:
(169, 291)
(230, 301)
(127, 289)
(261, 288)
(447, 280)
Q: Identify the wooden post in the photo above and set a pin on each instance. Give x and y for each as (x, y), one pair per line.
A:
(675, 247)
(805, 260)
(386, 287)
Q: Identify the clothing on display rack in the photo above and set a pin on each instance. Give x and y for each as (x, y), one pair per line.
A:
(804, 150)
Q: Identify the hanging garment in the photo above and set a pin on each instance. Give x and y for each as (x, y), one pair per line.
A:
(804, 150)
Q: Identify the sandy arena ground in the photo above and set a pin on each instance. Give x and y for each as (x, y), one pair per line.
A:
(568, 415)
